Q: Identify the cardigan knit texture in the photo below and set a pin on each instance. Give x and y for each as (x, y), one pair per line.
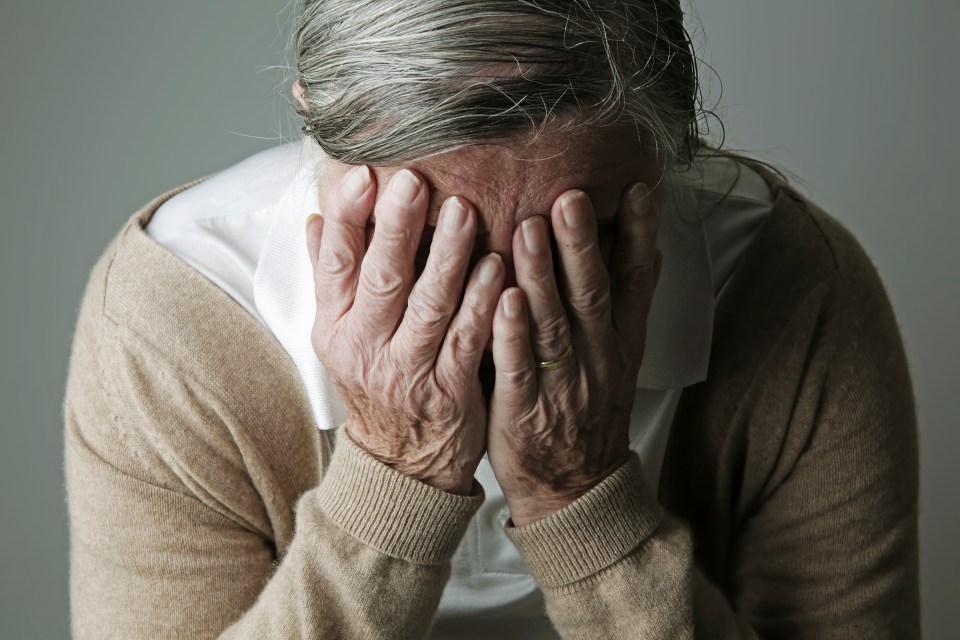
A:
(203, 501)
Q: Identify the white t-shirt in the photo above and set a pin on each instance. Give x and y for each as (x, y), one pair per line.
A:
(244, 229)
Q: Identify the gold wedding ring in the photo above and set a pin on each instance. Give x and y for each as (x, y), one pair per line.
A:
(551, 364)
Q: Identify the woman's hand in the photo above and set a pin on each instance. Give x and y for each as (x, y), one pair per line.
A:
(405, 354)
(555, 433)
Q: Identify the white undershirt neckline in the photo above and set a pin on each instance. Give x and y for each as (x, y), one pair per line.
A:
(243, 229)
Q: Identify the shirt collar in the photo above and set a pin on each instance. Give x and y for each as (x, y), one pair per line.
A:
(679, 327)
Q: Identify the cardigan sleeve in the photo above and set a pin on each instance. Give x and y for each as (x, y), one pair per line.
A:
(830, 552)
(170, 534)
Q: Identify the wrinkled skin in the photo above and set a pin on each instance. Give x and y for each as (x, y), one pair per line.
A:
(405, 338)
(404, 358)
(554, 434)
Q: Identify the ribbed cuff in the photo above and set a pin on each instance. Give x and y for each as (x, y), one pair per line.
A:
(592, 532)
(393, 513)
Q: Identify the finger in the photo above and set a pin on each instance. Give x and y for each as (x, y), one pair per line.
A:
(470, 330)
(516, 376)
(584, 277)
(314, 232)
(386, 275)
(550, 331)
(435, 296)
(635, 270)
(341, 245)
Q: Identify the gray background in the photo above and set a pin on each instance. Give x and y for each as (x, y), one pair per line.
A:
(107, 103)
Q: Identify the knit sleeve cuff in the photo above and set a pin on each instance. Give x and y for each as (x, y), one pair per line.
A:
(393, 513)
(592, 532)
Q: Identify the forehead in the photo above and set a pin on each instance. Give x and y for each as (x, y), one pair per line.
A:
(508, 183)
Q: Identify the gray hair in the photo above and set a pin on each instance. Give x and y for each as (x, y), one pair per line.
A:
(391, 81)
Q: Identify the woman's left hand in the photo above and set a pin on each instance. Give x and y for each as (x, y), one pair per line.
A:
(556, 432)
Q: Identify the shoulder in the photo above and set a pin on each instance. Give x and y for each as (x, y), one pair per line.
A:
(147, 314)
(810, 332)
(140, 289)
(865, 364)
(804, 330)
(855, 308)
(806, 356)
(172, 382)
(802, 249)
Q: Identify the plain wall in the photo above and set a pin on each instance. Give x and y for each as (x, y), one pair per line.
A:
(105, 104)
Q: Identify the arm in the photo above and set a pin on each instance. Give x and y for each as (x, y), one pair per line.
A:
(831, 553)
(828, 549)
(172, 530)
(183, 469)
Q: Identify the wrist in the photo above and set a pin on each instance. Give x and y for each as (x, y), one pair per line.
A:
(532, 508)
(430, 470)
(461, 486)
(591, 533)
(389, 511)
(541, 503)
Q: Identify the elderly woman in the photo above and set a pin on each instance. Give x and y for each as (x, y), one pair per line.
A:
(501, 349)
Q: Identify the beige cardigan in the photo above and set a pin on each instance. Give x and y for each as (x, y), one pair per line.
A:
(204, 502)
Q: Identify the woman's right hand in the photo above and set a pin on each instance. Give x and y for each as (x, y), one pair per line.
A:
(404, 355)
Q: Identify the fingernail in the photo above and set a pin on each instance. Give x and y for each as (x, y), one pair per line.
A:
(573, 209)
(533, 235)
(311, 218)
(511, 304)
(454, 215)
(357, 182)
(490, 269)
(404, 187)
(638, 198)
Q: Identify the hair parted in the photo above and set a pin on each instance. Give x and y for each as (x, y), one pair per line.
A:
(390, 81)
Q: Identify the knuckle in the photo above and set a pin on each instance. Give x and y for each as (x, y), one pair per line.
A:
(445, 259)
(515, 378)
(553, 330)
(593, 301)
(404, 360)
(345, 212)
(427, 311)
(337, 210)
(476, 309)
(581, 244)
(465, 346)
(336, 262)
(638, 279)
(396, 244)
(392, 234)
(381, 283)
(441, 404)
